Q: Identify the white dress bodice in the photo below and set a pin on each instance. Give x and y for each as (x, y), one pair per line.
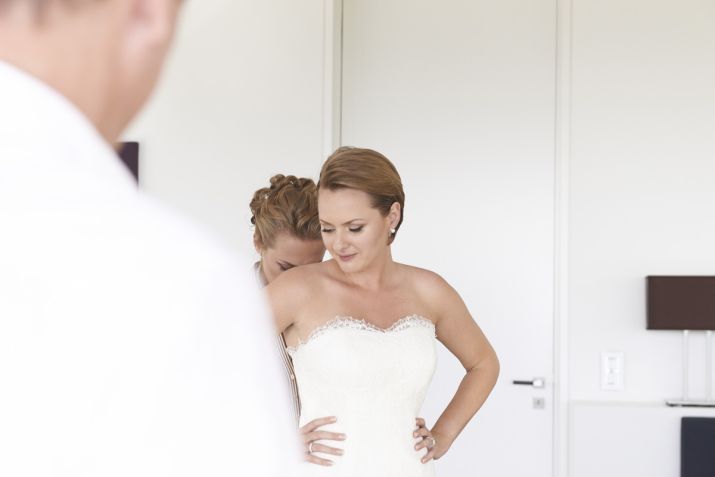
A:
(374, 381)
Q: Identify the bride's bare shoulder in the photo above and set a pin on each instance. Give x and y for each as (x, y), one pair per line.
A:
(292, 291)
(299, 280)
(297, 277)
(424, 279)
(437, 296)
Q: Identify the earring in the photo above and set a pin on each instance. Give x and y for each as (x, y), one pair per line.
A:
(393, 231)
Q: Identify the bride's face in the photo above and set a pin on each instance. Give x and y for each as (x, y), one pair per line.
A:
(354, 232)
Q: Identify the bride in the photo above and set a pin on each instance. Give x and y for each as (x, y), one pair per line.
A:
(361, 330)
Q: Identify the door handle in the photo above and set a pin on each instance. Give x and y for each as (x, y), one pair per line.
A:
(536, 382)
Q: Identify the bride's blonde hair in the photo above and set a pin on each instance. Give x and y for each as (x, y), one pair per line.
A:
(368, 171)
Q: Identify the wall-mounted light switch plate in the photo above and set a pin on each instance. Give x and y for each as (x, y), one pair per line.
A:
(612, 371)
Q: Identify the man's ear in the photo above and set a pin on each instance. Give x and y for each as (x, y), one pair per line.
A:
(152, 22)
(145, 30)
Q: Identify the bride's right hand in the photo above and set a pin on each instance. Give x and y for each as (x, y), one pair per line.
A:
(311, 433)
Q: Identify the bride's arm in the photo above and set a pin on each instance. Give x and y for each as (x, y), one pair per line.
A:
(462, 336)
(286, 296)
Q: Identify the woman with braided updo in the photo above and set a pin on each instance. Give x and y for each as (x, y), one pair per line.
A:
(286, 226)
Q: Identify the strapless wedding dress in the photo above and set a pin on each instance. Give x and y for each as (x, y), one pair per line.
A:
(374, 381)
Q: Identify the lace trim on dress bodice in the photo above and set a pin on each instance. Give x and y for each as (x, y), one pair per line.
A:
(360, 324)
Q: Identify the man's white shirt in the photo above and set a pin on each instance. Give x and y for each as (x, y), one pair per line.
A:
(131, 342)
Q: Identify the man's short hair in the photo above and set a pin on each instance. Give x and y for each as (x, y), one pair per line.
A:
(39, 5)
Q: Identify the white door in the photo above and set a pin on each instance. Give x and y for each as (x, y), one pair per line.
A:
(460, 95)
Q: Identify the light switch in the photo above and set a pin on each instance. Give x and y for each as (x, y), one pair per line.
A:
(612, 371)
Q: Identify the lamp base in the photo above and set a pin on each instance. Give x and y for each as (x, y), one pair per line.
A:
(688, 403)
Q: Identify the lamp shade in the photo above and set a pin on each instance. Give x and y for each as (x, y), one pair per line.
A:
(680, 302)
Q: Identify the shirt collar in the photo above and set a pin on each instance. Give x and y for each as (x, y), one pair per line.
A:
(38, 125)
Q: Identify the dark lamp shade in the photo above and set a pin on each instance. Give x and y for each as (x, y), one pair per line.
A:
(680, 302)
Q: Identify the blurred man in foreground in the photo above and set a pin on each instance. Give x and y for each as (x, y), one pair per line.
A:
(129, 338)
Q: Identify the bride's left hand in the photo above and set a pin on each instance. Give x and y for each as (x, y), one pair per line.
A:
(429, 440)
(436, 448)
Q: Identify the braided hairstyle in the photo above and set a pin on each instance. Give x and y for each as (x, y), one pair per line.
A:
(289, 204)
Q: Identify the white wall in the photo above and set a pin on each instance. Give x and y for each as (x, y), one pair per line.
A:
(627, 439)
(642, 185)
(642, 201)
(241, 99)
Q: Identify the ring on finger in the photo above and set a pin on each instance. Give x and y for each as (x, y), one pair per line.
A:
(434, 442)
(310, 447)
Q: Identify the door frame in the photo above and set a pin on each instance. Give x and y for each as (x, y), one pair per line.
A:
(562, 161)
(332, 75)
